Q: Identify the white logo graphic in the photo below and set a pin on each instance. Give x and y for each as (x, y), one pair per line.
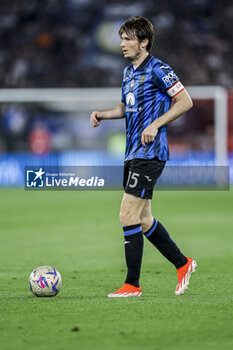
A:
(127, 242)
(147, 177)
(130, 99)
(51, 178)
(34, 178)
(164, 67)
(170, 79)
(132, 84)
(39, 174)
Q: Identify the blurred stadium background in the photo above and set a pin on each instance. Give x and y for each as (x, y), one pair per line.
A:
(58, 57)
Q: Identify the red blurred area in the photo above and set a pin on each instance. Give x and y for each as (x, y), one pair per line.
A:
(39, 141)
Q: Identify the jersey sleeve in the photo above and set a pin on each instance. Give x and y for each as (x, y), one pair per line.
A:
(123, 85)
(166, 80)
(122, 92)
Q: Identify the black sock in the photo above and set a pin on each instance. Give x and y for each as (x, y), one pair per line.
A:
(160, 238)
(133, 253)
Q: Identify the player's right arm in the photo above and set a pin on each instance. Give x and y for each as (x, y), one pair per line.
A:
(115, 113)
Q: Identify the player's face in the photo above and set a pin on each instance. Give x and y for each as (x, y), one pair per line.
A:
(131, 47)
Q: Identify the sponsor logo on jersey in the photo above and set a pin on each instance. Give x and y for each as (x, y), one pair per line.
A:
(170, 79)
(133, 109)
(130, 99)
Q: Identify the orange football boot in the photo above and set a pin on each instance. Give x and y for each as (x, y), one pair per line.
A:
(184, 274)
(127, 290)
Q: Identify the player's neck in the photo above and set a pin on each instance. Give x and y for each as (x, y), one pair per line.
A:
(138, 60)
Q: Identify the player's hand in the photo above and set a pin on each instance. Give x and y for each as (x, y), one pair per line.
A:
(95, 118)
(148, 135)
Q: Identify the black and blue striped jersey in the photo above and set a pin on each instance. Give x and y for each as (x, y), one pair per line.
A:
(146, 94)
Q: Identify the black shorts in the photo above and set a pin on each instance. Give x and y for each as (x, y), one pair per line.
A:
(140, 176)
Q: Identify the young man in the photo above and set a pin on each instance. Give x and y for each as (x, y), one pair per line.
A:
(147, 89)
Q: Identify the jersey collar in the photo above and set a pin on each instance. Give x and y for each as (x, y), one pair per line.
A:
(144, 62)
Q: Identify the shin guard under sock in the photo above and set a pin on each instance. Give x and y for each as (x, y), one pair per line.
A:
(133, 253)
(160, 238)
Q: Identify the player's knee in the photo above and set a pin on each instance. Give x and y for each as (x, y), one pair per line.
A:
(124, 217)
(146, 222)
(128, 217)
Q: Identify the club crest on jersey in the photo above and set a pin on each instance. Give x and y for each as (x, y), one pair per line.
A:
(130, 99)
(142, 78)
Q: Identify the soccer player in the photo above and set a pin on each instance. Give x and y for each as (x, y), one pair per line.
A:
(147, 90)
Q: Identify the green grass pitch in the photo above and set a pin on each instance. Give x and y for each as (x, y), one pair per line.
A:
(79, 233)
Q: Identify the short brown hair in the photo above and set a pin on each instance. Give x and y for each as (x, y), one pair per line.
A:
(140, 28)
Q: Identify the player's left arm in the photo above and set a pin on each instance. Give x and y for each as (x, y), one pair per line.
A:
(183, 103)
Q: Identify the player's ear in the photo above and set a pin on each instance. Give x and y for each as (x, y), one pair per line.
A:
(144, 43)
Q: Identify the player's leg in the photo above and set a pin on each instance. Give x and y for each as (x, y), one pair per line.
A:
(130, 213)
(146, 217)
(140, 176)
(156, 233)
(160, 238)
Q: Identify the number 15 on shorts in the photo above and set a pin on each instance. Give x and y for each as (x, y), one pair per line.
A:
(132, 180)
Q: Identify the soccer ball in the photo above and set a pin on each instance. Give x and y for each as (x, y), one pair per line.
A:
(45, 281)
